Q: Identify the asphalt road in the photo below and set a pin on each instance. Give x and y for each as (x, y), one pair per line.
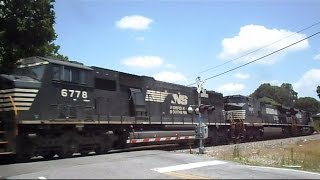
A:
(148, 164)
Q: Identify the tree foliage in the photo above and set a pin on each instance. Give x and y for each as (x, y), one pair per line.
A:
(308, 104)
(26, 29)
(318, 91)
(283, 95)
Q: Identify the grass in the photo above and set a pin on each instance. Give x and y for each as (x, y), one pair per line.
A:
(302, 155)
(316, 124)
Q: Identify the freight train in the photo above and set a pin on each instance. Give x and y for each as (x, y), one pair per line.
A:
(52, 107)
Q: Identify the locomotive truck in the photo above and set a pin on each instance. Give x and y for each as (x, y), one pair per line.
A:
(52, 107)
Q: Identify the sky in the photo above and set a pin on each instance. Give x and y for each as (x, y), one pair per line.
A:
(178, 40)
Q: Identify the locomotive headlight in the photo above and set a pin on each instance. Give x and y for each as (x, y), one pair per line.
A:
(190, 110)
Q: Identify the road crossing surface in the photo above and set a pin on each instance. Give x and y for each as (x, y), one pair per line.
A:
(147, 164)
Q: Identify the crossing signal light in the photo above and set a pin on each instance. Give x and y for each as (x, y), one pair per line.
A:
(209, 108)
(190, 110)
(201, 109)
(193, 109)
(196, 110)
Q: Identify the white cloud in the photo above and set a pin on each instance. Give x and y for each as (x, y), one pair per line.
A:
(134, 22)
(170, 76)
(317, 57)
(170, 66)
(231, 88)
(143, 61)
(307, 84)
(273, 82)
(242, 75)
(253, 37)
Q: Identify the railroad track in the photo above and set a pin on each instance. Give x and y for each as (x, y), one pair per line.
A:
(164, 147)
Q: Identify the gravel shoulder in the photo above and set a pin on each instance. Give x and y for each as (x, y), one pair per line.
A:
(295, 152)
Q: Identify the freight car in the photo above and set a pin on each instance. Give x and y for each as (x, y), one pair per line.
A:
(50, 107)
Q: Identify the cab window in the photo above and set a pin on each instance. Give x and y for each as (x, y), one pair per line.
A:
(35, 72)
(68, 74)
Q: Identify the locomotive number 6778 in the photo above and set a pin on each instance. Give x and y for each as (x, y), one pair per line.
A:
(74, 93)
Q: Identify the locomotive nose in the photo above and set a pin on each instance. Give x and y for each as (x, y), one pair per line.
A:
(17, 92)
(16, 81)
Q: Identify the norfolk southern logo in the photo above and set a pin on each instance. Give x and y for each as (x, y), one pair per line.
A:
(158, 96)
(178, 101)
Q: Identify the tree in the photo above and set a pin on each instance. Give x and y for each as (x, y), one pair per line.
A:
(264, 90)
(318, 91)
(284, 94)
(26, 29)
(308, 104)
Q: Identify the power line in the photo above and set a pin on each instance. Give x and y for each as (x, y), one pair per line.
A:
(261, 47)
(251, 52)
(259, 58)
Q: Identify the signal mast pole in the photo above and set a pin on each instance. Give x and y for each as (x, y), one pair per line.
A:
(199, 90)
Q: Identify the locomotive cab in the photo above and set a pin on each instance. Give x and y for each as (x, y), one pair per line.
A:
(40, 91)
(63, 88)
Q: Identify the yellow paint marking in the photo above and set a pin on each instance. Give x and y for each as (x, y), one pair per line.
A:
(185, 176)
(14, 106)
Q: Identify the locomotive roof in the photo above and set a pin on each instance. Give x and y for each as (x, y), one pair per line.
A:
(236, 96)
(39, 60)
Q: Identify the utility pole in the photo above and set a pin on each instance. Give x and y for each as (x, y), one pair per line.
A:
(201, 133)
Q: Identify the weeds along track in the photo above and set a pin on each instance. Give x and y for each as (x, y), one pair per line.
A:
(301, 153)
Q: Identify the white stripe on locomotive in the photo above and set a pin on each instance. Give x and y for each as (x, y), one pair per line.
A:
(22, 98)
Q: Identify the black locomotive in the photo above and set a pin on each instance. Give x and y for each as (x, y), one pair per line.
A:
(49, 107)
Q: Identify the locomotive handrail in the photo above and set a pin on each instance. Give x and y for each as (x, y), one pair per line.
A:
(15, 114)
(14, 106)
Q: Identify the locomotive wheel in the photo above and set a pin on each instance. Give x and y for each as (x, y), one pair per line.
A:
(214, 141)
(66, 152)
(24, 149)
(285, 132)
(102, 144)
(68, 149)
(249, 137)
(222, 136)
(258, 136)
(121, 143)
(213, 137)
(102, 149)
(48, 155)
(23, 158)
(98, 150)
(84, 153)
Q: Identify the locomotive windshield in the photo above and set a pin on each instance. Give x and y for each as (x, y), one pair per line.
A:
(35, 72)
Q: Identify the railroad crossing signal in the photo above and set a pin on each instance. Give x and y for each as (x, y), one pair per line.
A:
(206, 108)
(200, 85)
(201, 109)
(201, 131)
